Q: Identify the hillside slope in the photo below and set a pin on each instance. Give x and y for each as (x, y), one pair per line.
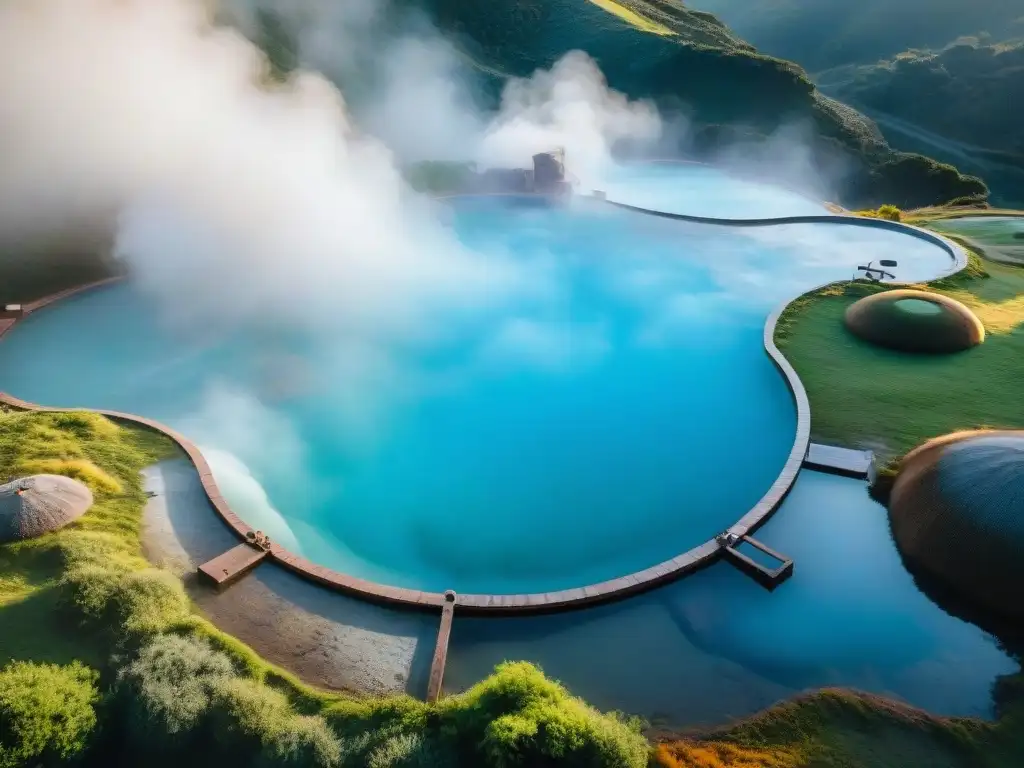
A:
(695, 60)
(960, 103)
(821, 34)
(689, 63)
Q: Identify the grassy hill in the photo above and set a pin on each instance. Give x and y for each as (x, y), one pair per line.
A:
(959, 103)
(821, 34)
(688, 62)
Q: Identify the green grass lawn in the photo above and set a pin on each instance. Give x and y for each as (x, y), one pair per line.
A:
(997, 238)
(988, 230)
(868, 397)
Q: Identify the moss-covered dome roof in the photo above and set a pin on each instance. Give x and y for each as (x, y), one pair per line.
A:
(35, 505)
(957, 513)
(915, 321)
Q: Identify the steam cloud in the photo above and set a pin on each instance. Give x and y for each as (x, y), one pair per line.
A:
(146, 123)
(423, 105)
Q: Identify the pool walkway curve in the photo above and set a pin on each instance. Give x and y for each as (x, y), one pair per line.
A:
(631, 584)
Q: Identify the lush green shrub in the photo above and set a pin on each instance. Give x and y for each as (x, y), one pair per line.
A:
(167, 690)
(123, 601)
(408, 750)
(150, 601)
(887, 212)
(393, 714)
(249, 718)
(517, 717)
(890, 212)
(46, 713)
(181, 697)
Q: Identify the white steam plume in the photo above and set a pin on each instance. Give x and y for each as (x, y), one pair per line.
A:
(229, 190)
(422, 102)
(569, 106)
(229, 194)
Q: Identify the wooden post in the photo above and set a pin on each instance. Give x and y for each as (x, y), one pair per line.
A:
(441, 649)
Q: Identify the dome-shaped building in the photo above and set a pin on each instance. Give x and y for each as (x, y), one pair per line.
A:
(957, 515)
(915, 321)
(35, 505)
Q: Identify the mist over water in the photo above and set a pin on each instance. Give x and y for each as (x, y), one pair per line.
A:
(565, 435)
(244, 206)
(147, 123)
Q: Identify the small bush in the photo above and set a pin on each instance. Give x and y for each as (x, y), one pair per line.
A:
(123, 601)
(517, 717)
(182, 697)
(86, 592)
(890, 212)
(887, 212)
(409, 750)
(46, 713)
(150, 601)
(168, 688)
(251, 718)
(393, 714)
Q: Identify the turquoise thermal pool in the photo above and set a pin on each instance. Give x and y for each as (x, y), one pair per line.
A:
(701, 190)
(622, 413)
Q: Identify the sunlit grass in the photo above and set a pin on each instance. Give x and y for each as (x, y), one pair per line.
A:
(865, 396)
(841, 729)
(630, 16)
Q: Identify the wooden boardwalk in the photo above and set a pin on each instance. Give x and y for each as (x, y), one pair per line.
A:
(436, 682)
(839, 461)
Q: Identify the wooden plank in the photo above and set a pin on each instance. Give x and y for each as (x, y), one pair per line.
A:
(441, 649)
(233, 564)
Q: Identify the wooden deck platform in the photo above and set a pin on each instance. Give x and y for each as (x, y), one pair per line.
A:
(767, 577)
(444, 632)
(839, 461)
(232, 565)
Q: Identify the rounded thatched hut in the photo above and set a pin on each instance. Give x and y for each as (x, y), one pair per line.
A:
(957, 515)
(35, 505)
(915, 321)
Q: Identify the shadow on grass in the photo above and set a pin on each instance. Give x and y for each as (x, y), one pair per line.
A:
(35, 629)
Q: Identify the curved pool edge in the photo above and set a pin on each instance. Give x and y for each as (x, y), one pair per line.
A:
(621, 587)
